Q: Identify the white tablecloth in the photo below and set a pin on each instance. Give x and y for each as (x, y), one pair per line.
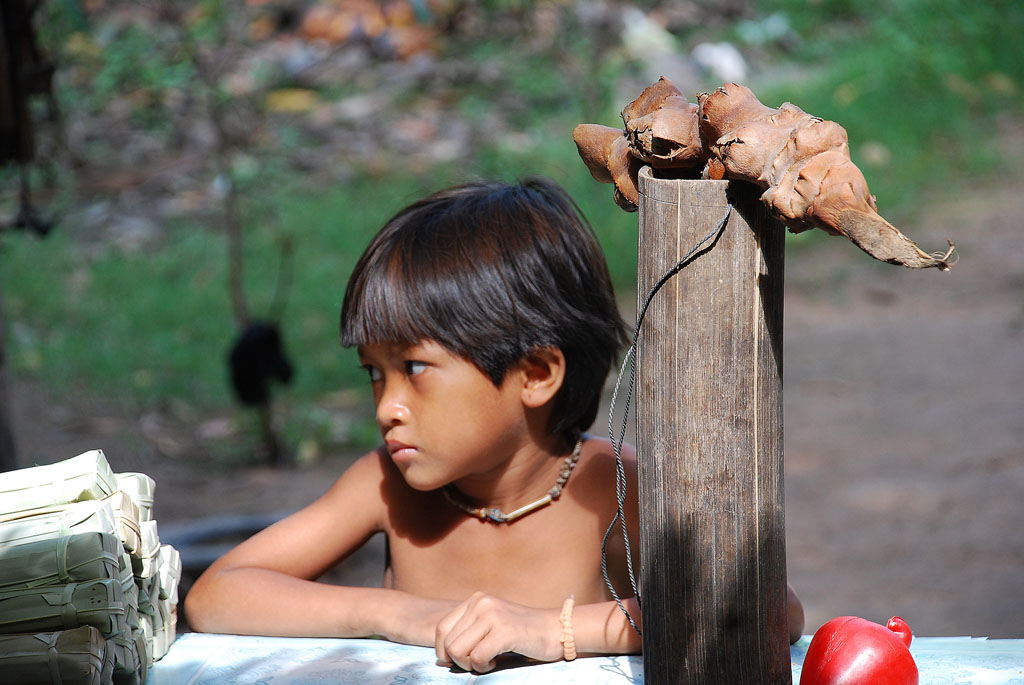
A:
(197, 659)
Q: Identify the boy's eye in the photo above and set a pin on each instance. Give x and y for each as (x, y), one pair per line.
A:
(412, 367)
(373, 372)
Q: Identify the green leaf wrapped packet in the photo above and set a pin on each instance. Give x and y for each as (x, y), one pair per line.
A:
(98, 603)
(85, 477)
(146, 559)
(170, 573)
(73, 657)
(43, 524)
(126, 516)
(142, 489)
(60, 559)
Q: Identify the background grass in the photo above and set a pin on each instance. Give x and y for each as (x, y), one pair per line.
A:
(927, 80)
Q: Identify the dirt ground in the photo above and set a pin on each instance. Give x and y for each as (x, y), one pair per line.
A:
(904, 426)
(904, 414)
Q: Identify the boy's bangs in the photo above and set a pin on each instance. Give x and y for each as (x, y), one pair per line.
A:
(378, 308)
(414, 296)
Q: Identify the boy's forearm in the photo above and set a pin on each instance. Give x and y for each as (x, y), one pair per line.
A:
(253, 601)
(603, 629)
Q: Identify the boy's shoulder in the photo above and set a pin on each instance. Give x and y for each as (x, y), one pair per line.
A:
(376, 473)
(369, 477)
(597, 479)
(597, 459)
(371, 465)
(374, 467)
(602, 450)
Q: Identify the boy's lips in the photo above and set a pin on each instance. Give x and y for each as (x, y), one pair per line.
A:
(400, 451)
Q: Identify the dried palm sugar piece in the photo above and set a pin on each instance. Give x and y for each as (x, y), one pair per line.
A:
(726, 108)
(661, 126)
(668, 137)
(803, 164)
(605, 151)
(650, 99)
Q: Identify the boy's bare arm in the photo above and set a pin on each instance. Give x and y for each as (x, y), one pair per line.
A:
(267, 585)
(604, 629)
(255, 601)
(483, 627)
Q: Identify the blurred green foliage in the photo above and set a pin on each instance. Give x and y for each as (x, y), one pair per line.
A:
(919, 85)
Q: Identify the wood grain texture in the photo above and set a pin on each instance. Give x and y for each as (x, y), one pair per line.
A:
(709, 434)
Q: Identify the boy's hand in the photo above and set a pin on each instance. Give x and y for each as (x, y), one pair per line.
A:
(482, 627)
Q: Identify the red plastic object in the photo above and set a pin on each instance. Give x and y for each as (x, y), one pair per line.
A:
(854, 651)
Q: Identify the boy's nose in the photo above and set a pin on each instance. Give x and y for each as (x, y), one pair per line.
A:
(392, 409)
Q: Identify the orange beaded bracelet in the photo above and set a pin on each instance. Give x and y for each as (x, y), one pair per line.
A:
(568, 640)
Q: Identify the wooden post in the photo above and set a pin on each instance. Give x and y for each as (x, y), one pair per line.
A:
(709, 434)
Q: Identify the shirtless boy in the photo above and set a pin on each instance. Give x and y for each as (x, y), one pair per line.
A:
(485, 318)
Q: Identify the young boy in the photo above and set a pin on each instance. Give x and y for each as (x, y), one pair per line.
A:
(485, 318)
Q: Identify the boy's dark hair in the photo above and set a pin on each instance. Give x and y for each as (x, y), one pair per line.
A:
(493, 272)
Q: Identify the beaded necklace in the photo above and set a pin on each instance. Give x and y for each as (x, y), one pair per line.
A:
(495, 515)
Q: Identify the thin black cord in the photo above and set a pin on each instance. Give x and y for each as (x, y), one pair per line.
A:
(620, 469)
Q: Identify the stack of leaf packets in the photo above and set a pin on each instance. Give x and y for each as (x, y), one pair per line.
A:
(87, 592)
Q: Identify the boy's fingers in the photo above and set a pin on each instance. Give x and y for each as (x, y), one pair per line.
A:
(483, 656)
(450, 626)
(444, 629)
(467, 644)
(440, 637)
(463, 639)
(460, 642)
(474, 649)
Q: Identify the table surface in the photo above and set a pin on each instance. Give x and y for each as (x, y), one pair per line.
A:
(196, 659)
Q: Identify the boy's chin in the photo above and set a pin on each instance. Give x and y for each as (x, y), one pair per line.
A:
(420, 482)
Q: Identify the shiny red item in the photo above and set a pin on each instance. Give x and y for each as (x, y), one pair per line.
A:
(854, 651)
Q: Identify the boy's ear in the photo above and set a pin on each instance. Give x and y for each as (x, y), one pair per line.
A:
(543, 374)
